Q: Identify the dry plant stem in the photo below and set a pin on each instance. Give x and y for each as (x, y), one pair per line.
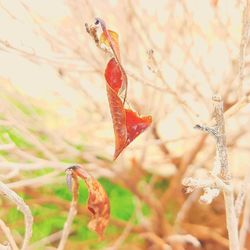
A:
(204, 233)
(184, 238)
(151, 202)
(155, 239)
(241, 198)
(187, 159)
(245, 225)
(244, 101)
(6, 231)
(72, 211)
(221, 162)
(231, 220)
(221, 167)
(244, 43)
(5, 247)
(118, 243)
(46, 241)
(11, 195)
(67, 226)
(185, 208)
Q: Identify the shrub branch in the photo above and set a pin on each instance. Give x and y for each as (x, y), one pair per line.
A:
(219, 179)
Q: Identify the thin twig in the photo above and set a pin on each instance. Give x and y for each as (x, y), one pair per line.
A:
(72, 211)
(6, 231)
(241, 198)
(185, 238)
(120, 240)
(11, 195)
(245, 225)
(244, 43)
(46, 240)
(5, 247)
(156, 239)
(185, 207)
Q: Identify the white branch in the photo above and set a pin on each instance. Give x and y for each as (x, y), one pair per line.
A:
(67, 225)
(11, 195)
(245, 225)
(6, 231)
(185, 238)
(220, 176)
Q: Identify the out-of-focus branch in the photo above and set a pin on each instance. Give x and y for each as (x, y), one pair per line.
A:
(120, 240)
(241, 197)
(244, 101)
(45, 241)
(6, 231)
(11, 195)
(156, 240)
(186, 238)
(244, 42)
(185, 208)
(245, 224)
(205, 233)
(187, 159)
(5, 247)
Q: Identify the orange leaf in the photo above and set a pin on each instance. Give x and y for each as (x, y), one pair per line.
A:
(135, 124)
(98, 202)
(113, 36)
(113, 75)
(127, 124)
(109, 38)
(119, 120)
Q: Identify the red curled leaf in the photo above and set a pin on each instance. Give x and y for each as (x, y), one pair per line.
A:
(98, 202)
(113, 75)
(135, 124)
(119, 120)
(126, 123)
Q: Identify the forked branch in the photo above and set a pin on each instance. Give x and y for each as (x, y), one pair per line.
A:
(21, 205)
(220, 176)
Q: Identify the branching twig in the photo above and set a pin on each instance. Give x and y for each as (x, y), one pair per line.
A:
(6, 231)
(11, 195)
(221, 177)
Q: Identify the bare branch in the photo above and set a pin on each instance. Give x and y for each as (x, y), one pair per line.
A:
(6, 231)
(11, 195)
(185, 238)
(244, 42)
(72, 211)
(221, 177)
(245, 225)
(241, 198)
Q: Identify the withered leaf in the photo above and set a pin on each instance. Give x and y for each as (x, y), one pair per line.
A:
(98, 202)
(127, 124)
